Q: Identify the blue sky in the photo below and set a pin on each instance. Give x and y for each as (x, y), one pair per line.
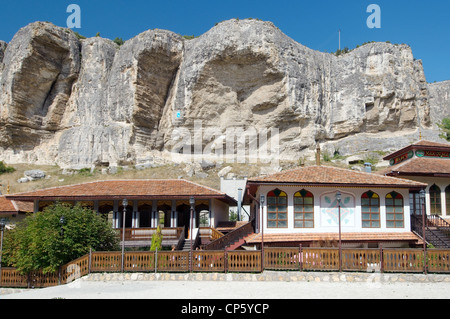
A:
(424, 25)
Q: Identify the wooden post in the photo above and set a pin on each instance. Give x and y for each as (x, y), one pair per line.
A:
(300, 257)
(156, 260)
(381, 259)
(90, 261)
(225, 260)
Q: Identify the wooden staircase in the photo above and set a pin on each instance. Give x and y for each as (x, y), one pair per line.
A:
(437, 230)
(233, 239)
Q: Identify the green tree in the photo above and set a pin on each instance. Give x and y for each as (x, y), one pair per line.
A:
(56, 236)
(445, 129)
(157, 240)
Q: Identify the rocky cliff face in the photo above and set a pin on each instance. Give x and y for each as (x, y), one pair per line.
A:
(78, 103)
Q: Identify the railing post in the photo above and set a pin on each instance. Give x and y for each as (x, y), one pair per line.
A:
(300, 257)
(225, 260)
(90, 261)
(156, 260)
(381, 259)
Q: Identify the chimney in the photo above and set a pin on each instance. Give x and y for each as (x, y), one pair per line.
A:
(368, 167)
(318, 155)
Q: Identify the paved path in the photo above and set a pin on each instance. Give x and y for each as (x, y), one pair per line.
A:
(191, 290)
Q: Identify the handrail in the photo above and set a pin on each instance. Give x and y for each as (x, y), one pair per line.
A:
(232, 236)
(136, 234)
(438, 222)
(181, 240)
(418, 229)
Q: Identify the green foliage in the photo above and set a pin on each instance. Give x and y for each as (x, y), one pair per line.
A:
(40, 241)
(119, 41)
(343, 51)
(79, 36)
(189, 37)
(5, 169)
(444, 126)
(157, 240)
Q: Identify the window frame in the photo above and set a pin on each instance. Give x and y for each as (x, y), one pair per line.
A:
(435, 200)
(395, 197)
(299, 209)
(279, 211)
(371, 196)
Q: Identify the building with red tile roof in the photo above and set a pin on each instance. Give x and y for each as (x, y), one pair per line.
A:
(303, 206)
(426, 162)
(151, 203)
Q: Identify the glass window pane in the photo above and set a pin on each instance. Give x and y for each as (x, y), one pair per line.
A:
(309, 216)
(298, 224)
(298, 200)
(282, 216)
(365, 201)
(272, 216)
(271, 224)
(271, 200)
(309, 224)
(272, 208)
(366, 224)
(389, 202)
(282, 200)
(375, 202)
(309, 200)
(282, 224)
(309, 209)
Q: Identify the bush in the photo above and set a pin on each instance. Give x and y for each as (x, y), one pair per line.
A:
(41, 241)
(6, 169)
(444, 127)
(157, 240)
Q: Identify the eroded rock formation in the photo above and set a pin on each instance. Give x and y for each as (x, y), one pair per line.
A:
(78, 103)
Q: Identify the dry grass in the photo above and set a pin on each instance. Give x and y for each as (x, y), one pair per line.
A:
(173, 171)
(55, 177)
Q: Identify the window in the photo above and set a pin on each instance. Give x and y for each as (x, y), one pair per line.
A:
(394, 210)
(303, 209)
(447, 199)
(277, 209)
(370, 209)
(415, 203)
(435, 200)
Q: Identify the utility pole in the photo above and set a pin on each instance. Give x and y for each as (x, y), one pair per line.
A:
(339, 39)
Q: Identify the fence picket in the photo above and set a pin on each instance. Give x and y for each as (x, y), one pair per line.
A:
(303, 259)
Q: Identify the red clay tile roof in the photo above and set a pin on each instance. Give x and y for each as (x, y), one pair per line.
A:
(420, 166)
(130, 189)
(307, 237)
(333, 176)
(6, 206)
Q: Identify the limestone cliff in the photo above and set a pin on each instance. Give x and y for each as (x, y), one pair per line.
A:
(78, 103)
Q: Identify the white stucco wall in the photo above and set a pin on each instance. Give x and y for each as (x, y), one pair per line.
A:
(442, 182)
(351, 221)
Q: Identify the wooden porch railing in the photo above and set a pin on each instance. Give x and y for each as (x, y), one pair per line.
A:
(222, 242)
(140, 234)
(294, 259)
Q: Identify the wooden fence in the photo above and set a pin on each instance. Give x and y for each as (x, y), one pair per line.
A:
(294, 259)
